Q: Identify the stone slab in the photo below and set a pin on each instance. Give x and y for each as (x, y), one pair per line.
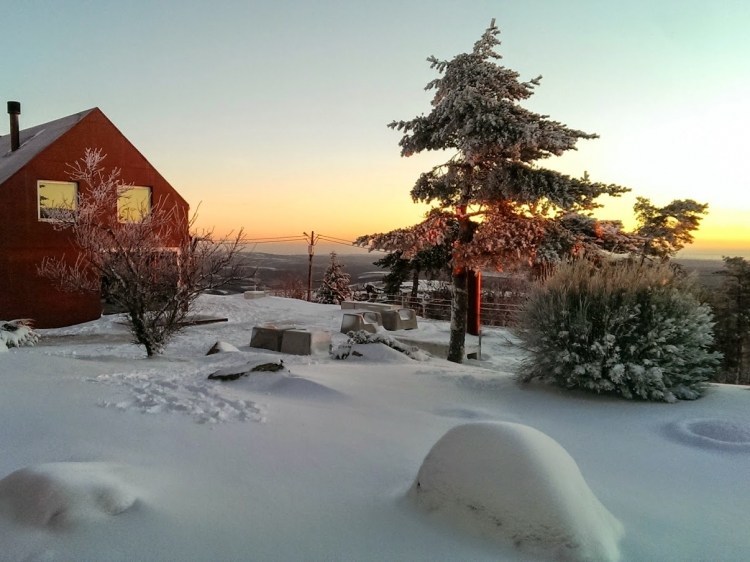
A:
(401, 319)
(254, 294)
(305, 342)
(361, 320)
(267, 337)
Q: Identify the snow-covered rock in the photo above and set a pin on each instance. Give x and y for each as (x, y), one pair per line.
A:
(16, 333)
(58, 495)
(512, 482)
(222, 347)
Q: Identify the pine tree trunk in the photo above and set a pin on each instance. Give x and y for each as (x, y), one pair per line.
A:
(459, 306)
(460, 300)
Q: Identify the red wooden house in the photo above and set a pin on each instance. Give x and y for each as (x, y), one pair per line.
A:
(34, 178)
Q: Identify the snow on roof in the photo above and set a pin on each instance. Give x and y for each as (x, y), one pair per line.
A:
(33, 141)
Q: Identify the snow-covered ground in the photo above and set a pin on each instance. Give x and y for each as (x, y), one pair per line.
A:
(107, 455)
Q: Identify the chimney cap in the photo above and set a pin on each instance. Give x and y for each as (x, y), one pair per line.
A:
(14, 107)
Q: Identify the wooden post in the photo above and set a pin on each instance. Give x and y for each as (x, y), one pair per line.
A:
(473, 313)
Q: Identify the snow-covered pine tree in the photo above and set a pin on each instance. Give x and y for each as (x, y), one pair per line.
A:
(335, 287)
(493, 177)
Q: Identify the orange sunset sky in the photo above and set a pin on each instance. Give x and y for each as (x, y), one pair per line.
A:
(272, 116)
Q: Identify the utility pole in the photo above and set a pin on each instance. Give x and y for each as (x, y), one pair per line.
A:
(310, 253)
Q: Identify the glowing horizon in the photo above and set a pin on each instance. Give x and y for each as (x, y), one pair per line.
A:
(275, 119)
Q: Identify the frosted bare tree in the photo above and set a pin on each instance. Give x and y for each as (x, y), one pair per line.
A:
(148, 262)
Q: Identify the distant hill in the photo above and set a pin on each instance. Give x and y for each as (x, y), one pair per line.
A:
(272, 270)
(705, 270)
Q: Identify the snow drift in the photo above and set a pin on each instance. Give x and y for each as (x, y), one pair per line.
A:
(269, 468)
(511, 482)
(57, 495)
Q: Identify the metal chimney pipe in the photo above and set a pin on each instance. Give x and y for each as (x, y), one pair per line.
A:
(14, 110)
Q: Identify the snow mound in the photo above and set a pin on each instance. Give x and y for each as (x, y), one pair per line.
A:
(463, 413)
(57, 495)
(288, 385)
(382, 353)
(712, 433)
(152, 392)
(513, 483)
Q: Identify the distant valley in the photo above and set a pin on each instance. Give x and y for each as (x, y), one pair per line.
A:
(274, 271)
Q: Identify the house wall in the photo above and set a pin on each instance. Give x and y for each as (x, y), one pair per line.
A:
(25, 241)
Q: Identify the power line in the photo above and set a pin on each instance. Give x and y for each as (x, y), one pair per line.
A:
(306, 238)
(336, 239)
(273, 239)
(333, 241)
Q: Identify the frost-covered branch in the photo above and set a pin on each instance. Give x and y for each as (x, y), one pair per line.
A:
(433, 231)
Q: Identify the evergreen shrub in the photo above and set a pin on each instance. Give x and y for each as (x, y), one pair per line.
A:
(637, 330)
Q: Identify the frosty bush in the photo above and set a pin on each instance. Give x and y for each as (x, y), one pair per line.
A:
(635, 330)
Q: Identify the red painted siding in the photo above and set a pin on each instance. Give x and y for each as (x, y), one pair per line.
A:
(24, 240)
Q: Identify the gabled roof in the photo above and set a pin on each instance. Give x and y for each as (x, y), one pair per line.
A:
(33, 141)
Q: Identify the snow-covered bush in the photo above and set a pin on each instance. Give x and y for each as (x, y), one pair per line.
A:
(16, 333)
(362, 337)
(630, 329)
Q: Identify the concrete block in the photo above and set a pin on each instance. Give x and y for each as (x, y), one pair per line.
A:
(254, 294)
(305, 342)
(267, 337)
(401, 319)
(361, 320)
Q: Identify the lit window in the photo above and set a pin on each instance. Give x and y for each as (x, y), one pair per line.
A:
(56, 197)
(133, 204)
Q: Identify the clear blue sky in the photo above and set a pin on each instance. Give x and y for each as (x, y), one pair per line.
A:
(273, 115)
